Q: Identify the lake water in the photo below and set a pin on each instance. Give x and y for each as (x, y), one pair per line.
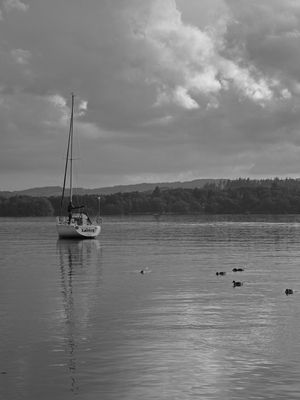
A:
(79, 320)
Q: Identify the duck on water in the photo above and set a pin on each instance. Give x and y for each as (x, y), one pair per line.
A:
(237, 283)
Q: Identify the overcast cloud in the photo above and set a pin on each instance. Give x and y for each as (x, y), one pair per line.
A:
(165, 90)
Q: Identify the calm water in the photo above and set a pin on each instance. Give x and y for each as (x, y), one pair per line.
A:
(79, 320)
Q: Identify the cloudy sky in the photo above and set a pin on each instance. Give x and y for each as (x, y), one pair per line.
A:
(165, 90)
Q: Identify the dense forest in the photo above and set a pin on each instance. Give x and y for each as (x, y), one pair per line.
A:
(241, 196)
(25, 206)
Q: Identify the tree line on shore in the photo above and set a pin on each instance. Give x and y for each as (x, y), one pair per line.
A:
(241, 196)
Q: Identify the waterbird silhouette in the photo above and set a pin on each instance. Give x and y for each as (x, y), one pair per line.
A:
(237, 283)
(289, 291)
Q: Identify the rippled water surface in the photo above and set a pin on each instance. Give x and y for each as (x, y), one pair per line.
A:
(79, 320)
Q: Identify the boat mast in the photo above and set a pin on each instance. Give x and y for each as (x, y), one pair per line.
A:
(68, 158)
(71, 144)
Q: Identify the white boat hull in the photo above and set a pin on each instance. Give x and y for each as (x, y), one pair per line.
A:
(75, 231)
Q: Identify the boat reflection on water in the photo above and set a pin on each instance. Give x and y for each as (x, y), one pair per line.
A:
(80, 265)
(82, 253)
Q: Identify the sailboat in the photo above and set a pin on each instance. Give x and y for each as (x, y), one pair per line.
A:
(77, 224)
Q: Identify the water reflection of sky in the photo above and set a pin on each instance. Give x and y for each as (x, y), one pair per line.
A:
(79, 318)
(196, 348)
(197, 336)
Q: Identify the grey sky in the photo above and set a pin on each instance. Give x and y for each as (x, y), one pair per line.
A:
(166, 90)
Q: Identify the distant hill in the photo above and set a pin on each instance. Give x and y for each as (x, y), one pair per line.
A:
(140, 187)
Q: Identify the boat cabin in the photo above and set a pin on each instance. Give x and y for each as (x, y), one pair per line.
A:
(80, 219)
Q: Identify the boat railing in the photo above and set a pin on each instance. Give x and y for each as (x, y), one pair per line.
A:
(78, 220)
(62, 220)
(98, 220)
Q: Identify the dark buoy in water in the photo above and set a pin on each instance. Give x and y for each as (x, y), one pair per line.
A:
(289, 291)
(142, 271)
